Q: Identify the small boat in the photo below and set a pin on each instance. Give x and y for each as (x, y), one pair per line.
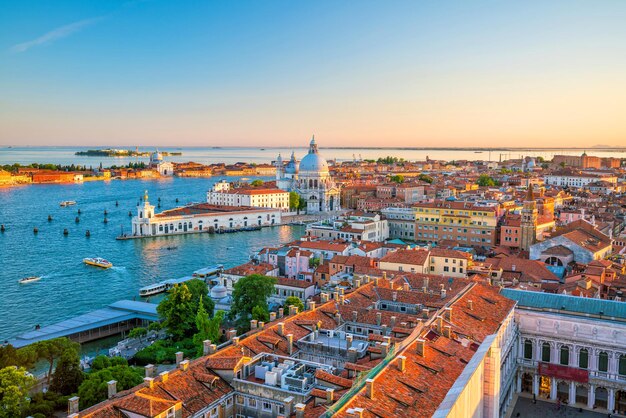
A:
(29, 279)
(68, 203)
(98, 262)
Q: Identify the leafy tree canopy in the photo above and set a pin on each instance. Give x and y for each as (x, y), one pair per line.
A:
(250, 292)
(94, 388)
(294, 301)
(15, 383)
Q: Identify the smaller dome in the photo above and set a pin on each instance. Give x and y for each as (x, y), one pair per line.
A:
(219, 292)
(156, 156)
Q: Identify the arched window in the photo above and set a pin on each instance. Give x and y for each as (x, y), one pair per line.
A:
(528, 349)
(603, 362)
(564, 360)
(622, 365)
(545, 352)
(583, 359)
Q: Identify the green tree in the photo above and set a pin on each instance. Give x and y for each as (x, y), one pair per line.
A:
(261, 313)
(294, 200)
(67, 375)
(155, 326)
(15, 383)
(398, 178)
(199, 289)
(24, 357)
(138, 332)
(250, 292)
(562, 164)
(314, 262)
(484, 180)
(426, 178)
(256, 183)
(294, 301)
(177, 312)
(94, 388)
(51, 350)
(208, 328)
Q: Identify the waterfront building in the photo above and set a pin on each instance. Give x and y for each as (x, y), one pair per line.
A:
(222, 193)
(311, 179)
(164, 168)
(354, 226)
(578, 179)
(200, 218)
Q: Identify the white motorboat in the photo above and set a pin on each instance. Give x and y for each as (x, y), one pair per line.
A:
(98, 262)
(68, 203)
(28, 279)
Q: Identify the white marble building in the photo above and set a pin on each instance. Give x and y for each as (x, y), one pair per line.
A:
(310, 179)
(572, 349)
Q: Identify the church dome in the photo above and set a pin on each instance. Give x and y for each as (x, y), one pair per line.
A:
(313, 162)
(156, 157)
(219, 292)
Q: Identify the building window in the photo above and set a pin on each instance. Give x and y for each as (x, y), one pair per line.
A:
(545, 352)
(622, 365)
(564, 360)
(267, 406)
(528, 349)
(603, 362)
(583, 359)
(252, 403)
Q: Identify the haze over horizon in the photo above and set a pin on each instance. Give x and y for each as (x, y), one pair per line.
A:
(372, 74)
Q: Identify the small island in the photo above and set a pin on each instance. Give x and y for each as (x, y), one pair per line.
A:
(111, 152)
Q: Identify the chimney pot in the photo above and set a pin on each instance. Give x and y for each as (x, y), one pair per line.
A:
(392, 321)
(290, 343)
(184, 365)
(235, 341)
(232, 334)
(179, 357)
(425, 313)
(355, 316)
(447, 331)
(439, 324)
(300, 410)
(149, 369)
(448, 314)
(379, 317)
(164, 376)
(261, 325)
(212, 349)
(253, 323)
(272, 316)
(280, 329)
(470, 305)
(281, 312)
(312, 305)
(369, 383)
(330, 395)
(72, 405)
(421, 347)
(149, 381)
(206, 345)
(401, 363)
(112, 388)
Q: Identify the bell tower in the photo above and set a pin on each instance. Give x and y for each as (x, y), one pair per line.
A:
(529, 220)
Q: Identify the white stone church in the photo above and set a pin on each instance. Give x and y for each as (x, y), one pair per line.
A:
(310, 179)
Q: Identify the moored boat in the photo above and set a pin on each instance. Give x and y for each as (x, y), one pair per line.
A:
(153, 289)
(68, 203)
(98, 262)
(29, 279)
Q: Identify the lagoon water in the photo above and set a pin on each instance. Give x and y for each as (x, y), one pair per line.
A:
(69, 287)
(229, 155)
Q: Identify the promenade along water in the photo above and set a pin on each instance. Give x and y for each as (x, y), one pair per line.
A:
(68, 287)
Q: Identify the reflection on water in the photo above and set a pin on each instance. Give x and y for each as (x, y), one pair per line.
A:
(68, 287)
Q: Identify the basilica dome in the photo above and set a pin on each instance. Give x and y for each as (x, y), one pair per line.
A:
(218, 292)
(313, 162)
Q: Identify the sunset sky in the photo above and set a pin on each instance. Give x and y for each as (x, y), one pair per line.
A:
(354, 73)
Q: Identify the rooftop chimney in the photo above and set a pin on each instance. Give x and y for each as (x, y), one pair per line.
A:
(261, 325)
(379, 318)
(324, 297)
(439, 324)
(164, 376)
(349, 338)
(448, 313)
(470, 305)
(280, 329)
(406, 287)
(394, 296)
(392, 322)
(272, 316)
(352, 354)
(149, 381)
(357, 283)
(426, 282)
(342, 299)
(421, 347)
(312, 305)
(293, 310)
(253, 323)
(72, 405)
(290, 344)
(355, 412)
(281, 312)
(355, 316)
(384, 349)
(300, 410)
(184, 365)
(212, 349)
(232, 334)
(235, 341)
(425, 313)
(206, 345)
(112, 388)
(401, 361)
(330, 395)
(384, 275)
(149, 369)
(369, 383)
(447, 331)
(336, 295)
(179, 357)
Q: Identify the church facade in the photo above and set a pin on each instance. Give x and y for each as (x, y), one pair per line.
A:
(311, 179)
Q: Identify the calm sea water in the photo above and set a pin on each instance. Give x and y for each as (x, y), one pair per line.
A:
(68, 287)
(65, 155)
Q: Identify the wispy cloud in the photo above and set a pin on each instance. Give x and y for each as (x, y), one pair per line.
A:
(55, 34)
